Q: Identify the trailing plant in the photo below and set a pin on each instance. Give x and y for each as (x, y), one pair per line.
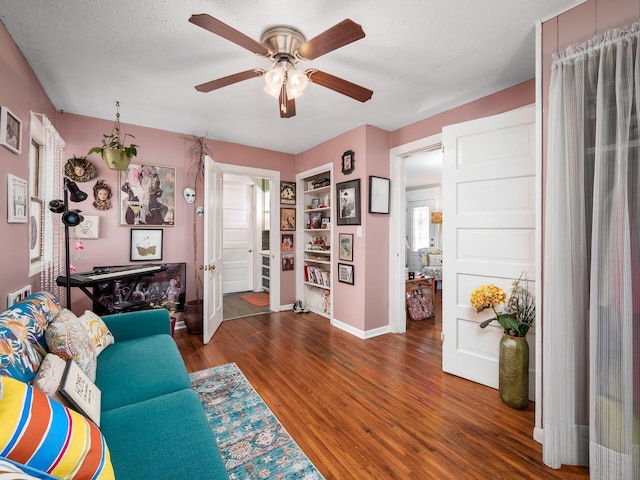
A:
(196, 153)
(519, 311)
(116, 140)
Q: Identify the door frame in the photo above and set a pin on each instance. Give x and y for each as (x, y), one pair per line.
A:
(397, 228)
(274, 233)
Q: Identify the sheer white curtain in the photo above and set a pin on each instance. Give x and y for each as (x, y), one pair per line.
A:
(53, 232)
(591, 303)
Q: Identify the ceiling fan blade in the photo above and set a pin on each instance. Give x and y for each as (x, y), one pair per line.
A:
(229, 80)
(339, 85)
(287, 105)
(341, 34)
(225, 31)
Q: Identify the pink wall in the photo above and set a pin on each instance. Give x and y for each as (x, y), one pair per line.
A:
(157, 147)
(21, 92)
(502, 101)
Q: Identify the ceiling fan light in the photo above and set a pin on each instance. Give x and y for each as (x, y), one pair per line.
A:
(293, 93)
(274, 92)
(297, 80)
(275, 77)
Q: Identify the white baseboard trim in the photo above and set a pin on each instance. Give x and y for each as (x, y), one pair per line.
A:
(360, 333)
(286, 307)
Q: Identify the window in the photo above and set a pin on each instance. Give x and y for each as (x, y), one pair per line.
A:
(420, 227)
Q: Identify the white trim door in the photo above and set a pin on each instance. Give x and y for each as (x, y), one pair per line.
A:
(489, 232)
(212, 261)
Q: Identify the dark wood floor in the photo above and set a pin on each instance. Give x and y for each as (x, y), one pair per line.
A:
(375, 409)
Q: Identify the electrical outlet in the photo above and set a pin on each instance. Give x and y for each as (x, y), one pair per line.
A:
(18, 295)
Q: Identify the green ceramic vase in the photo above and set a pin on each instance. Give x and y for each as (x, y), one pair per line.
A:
(513, 381)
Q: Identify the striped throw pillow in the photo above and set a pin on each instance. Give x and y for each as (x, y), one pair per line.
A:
(46, 436)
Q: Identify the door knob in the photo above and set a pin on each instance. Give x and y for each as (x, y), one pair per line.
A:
(250, 250)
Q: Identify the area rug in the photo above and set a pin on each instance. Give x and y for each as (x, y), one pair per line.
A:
(257, 299)
(253, 443)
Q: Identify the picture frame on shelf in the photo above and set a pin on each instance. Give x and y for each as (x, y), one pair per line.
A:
(17, 196)
(315, 203)
(288, 193)
(146, 244)
(348, 162)
(35, 230)
(287, 219)
(10, 130)
(379, 194)
(286, 245)
(315, 220)
(345, 250)
(348, 201)
(345, 273)
(147, 196)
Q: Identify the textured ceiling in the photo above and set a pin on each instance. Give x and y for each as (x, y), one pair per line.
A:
(420, 57)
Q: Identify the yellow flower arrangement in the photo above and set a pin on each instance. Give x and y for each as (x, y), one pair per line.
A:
(516, 317)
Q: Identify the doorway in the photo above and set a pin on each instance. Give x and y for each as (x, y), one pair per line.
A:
(250, 229)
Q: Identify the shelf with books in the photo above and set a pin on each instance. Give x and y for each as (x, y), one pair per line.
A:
(315, 234)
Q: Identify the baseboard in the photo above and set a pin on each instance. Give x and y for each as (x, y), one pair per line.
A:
(360, 333)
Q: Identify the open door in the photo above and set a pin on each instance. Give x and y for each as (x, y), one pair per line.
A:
(212, 261)
(489, 220)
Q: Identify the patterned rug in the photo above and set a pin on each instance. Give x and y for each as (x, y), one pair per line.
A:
(257, 299)
(253, 443)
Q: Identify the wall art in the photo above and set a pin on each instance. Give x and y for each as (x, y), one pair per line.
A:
(10, 130)
(16, 199)
(147, 195)
(146, 244)
(379, 190)
(348, 201)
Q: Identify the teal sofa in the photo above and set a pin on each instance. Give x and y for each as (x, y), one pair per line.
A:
(154, 425)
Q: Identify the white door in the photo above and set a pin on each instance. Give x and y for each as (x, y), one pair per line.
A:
(212, 261)
(238, 234)
(489, 209)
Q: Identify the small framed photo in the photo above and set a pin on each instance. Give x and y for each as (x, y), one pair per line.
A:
(346, 247)
(348, 162)
(345, 273)
(348, 200)
(146, 244)
(315, 220)
(10, 130)
(287, 219)
(288, 193)
(16, 199)
(287, 262)
(315, 203)
(147, 196)
(287, 242)
(379, 189)
(89, 228)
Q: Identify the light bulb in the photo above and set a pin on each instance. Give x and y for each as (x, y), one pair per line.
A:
(275, 77)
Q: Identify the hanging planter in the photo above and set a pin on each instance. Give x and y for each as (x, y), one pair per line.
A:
(113, 150)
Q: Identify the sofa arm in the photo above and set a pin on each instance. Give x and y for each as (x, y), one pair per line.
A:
(125, 326)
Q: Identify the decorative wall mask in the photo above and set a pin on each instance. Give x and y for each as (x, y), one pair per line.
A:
(80, 169)
(189, 195)
(102, 194)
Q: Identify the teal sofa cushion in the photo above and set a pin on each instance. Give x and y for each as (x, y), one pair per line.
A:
(136, 370)
(150, 443)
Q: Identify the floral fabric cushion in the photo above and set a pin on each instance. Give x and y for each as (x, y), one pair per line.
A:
(67, 338)
(46, 436)
(435, 260)
(22, 335)
(98, 331)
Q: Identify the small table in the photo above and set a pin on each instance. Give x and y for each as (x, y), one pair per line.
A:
(420, 284)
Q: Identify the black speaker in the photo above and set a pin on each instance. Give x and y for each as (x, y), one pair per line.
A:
(72, 218)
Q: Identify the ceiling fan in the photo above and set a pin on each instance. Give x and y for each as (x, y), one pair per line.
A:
(285, 46)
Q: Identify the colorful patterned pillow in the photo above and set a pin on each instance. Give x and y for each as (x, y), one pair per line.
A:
(67, 338)
(42, 434)
(6, 468)
(22, 335)
(98, 331)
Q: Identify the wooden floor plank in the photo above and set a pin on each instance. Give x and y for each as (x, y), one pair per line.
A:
(379, 408)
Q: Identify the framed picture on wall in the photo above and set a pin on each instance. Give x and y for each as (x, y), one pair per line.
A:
(287, 219)
(345, 249)
(35, 230)
(16, 199)
(146, 244)
(147, 195)
(288, 193)
(348, 201)
(345, 273)
(10, 130)
(379, 189)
